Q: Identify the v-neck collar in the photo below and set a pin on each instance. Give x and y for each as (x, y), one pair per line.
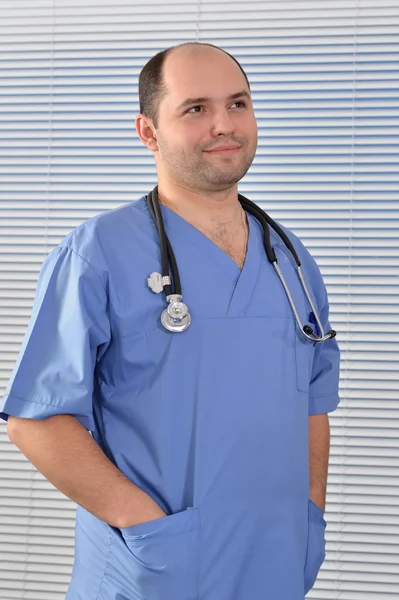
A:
(243, 280)
(180, 226)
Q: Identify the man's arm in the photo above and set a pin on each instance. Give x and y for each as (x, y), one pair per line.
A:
(319, 449)
(66, 454)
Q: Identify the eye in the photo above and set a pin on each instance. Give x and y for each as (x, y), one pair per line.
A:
(199, 106)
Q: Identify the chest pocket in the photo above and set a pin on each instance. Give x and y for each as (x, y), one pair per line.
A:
(304, 348)
(304, 351)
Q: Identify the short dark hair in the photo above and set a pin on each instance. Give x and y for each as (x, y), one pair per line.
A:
(152, 88)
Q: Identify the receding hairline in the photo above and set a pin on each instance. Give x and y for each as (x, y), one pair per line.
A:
(200, 49)
(195, 48)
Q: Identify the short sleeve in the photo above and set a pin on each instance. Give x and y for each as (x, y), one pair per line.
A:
(54, 370)
(324, 383)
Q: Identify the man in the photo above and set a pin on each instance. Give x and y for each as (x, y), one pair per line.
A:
(205, 474)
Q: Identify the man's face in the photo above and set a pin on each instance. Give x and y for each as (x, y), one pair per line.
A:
(187, 133)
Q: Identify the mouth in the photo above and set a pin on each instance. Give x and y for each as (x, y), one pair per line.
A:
(226, 152)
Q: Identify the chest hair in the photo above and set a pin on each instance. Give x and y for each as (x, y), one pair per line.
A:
(230, 238)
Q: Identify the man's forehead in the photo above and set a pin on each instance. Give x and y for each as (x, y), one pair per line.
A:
(186, 81)
(184, 71)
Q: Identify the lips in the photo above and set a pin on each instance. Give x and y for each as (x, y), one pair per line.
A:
(221, 148)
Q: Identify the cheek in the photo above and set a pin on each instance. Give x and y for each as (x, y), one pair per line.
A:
(253, 128)
(183, 141)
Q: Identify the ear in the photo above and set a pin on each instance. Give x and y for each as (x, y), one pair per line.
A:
(146, 132)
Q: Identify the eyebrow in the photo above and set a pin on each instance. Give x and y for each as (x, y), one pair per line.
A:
(194, 101)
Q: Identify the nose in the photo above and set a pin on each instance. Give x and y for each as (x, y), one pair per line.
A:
(222, 123)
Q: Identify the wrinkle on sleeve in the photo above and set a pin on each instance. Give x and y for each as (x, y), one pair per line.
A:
(54, 370)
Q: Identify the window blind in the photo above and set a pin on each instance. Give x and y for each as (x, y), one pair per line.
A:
(325, 86)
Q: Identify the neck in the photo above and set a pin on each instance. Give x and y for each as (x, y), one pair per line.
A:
(199, 208)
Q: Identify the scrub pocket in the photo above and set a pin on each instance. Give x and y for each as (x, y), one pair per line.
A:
(304, 350)
(165, 556)
(315, 552)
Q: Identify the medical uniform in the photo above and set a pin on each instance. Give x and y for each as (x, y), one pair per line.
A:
(212, 422)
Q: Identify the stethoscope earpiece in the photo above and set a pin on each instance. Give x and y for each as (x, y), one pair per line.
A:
(311, 335)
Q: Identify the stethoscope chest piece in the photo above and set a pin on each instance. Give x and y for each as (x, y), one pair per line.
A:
(175, 317)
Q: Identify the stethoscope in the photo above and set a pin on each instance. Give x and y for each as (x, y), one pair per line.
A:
(176, 317)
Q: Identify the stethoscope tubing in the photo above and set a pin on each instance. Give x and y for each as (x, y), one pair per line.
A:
(167, 256)
(172, 285)
(265, 220)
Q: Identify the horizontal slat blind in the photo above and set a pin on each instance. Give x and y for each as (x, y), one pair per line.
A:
(325, 86)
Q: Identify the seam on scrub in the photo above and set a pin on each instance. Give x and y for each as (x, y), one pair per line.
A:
(138, 335)
(281, 246)
(106, 565)
(307, 550)
(316, 522)
(200, 555)
(282, 317)
(55, 403)
(253, 289)
(151, 534)
(329, 404)
(323, 396)
(49, 403)
(101, 283)
(90, 265)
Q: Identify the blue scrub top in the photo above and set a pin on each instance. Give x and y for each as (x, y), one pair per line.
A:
(212, 422)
